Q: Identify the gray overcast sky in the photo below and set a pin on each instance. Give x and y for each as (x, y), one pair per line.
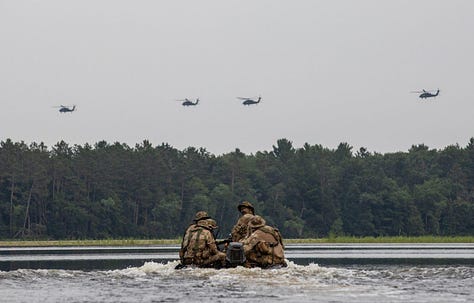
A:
(328, 72)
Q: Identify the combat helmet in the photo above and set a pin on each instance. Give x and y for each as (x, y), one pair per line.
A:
(257, 222)
(209, 223)
(201, 215)
(246, 204)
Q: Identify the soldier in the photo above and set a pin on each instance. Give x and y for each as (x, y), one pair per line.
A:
(200, 215)
(199, 246)
(240, 230)
(264, 246)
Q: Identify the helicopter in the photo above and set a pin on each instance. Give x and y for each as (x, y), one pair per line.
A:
(250, 101)
(66, 109)
(187, 102)
(427, 94)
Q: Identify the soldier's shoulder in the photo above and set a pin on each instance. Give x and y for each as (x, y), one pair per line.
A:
(198, 227)
(246, 218)
(191, 226)
(269, 229)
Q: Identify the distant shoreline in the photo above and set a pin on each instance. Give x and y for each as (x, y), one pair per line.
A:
(140, 242)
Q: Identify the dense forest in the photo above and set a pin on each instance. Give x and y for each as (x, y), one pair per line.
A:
(117, 191)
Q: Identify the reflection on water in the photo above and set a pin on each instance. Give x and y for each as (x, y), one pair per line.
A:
(101, 258)
(160, 282)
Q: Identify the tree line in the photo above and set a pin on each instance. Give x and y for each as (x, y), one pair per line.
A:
(112, 190)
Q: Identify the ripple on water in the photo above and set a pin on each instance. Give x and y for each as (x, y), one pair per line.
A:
(295, 283)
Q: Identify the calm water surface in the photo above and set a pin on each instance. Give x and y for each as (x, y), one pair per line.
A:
(160, 282)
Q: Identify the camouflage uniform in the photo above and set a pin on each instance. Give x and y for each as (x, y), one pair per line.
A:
(240, 229)
(200, 215)
(199, 246)
(264, 246)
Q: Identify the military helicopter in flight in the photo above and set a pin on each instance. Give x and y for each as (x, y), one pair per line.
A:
(66, 109)
(187, 102)
(250, 101)
(424, 94)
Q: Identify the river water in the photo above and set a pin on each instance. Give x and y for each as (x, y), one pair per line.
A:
(304, 280)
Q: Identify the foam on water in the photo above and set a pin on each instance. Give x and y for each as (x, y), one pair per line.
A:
(295, 283)
(290, 274)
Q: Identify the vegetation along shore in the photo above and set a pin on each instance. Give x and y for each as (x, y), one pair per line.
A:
(150, 242)
(115, 191)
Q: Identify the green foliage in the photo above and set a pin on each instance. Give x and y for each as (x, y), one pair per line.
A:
(113, 191)
(336, 229)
